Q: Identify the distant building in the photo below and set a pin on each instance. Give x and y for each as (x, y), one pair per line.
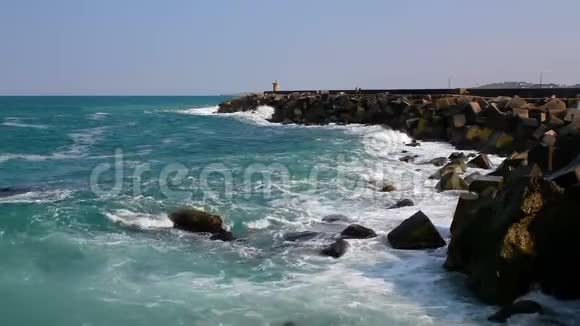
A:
(276, 86)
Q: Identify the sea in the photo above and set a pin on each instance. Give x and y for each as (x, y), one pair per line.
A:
(87, 184)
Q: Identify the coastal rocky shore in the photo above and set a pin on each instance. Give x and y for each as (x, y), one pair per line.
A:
(514, 229)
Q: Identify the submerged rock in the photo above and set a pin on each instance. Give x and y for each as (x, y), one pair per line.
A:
(518, 307)
(223, 235)
(356, 231)
(337, 249)
(301, 236)
(416, 232)
(402, 203)
(333, 218)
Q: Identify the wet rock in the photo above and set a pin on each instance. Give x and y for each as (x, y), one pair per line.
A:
(457, 155)
(484, 183)
(413, 143)
(356, 231)
(451, 181)
(388, 188)
(197, 221)
(439, 161)
(471, 177)
(408, 158)
(336, 250)
(416, 232)
(223, 235)
(481, 161)
(518, 307)
(457, 166)
(301, 236)
(497, 240)
(402, 203)
(333, 218)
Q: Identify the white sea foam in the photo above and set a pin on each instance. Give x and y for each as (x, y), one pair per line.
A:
(97, 116)
(17, 123)
(140, 220)
(82, 141)
(37, 197)
(258, 116)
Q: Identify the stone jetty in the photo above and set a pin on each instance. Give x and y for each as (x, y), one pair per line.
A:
(514, 229)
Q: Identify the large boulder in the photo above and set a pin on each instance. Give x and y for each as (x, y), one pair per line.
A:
(451, 181)
(197, 221)
(336, 249)
(356, 231)
(494, 242)
(416, 232)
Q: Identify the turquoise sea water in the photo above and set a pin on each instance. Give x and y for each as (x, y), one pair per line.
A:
(86, 184)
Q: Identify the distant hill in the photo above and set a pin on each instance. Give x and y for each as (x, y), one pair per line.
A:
(523, 85)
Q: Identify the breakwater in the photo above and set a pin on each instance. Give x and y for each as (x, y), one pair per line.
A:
(513, 229)
(492, 125)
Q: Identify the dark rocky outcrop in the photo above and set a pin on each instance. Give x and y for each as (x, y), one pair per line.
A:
(416, 232)
(336, 250)
(402, 203)
(388, 188)
(356, 231)
(492, 242)
(518, 307)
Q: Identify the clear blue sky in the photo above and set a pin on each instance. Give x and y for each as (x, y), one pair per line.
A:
(218, 46)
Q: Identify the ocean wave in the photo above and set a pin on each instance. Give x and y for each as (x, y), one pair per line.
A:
(82, 141)
(17, 123)
(140, 220)
(259, 116)
(48, 196)
(97, 116)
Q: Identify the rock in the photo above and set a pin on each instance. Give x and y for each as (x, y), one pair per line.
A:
(458, 166)
(194, 220)
(301, 236)
(549, 138)
(333, 218)
(451, 181)
(516, 102)
(413, 143)
(388, 188)
(483, 183)
(457, 155)
(518, 307)
(497, 242)
(481, 161)
(402, 203)
(467, 202)
(459, 121)
(356, 231)
(416, 232)
(223, 235)
(408, 158)
(439, 161)
(471, 177)
(336, 250)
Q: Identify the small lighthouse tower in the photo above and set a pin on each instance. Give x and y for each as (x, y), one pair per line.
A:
(275, 86)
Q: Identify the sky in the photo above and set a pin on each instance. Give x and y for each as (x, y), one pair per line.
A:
(188, 47)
